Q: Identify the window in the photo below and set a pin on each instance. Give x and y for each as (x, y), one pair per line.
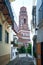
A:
(0, 32)
(24, 21)
(6, 37)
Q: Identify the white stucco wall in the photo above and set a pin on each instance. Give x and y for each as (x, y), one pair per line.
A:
(40, 35)
(40, 30)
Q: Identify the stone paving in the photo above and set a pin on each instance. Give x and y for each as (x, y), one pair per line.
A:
(22, 61)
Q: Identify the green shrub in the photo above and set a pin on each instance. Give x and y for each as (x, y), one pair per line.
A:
(22, 49)
(29, 49)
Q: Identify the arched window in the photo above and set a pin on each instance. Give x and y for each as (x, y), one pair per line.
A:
(24, 21)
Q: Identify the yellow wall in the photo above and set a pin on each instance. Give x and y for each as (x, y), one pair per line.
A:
(4, 47)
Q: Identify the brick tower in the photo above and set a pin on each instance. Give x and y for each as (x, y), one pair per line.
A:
(24, 32)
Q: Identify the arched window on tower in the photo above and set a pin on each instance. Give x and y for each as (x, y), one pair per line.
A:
(24, 21)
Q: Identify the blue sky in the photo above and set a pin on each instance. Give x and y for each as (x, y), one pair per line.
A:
(16, 8)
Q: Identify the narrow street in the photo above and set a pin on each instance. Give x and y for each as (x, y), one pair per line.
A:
(21, 32)
(22, 61)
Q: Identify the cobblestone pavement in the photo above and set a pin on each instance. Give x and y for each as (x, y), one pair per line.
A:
(22, 61)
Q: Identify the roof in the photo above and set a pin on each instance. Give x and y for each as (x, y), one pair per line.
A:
(23, 8)
(5, 8)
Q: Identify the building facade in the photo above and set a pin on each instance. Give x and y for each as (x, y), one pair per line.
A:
(6, 21)
(24, 32)
(34, 29)
(4, 41)
(39, 19)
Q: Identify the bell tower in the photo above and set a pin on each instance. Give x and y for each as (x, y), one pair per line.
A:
(24, 32)
(23, 19)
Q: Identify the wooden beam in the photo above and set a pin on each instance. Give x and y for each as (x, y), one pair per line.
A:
(5, 12)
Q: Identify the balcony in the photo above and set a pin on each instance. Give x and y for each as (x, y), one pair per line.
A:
(34, 11)
(34, 16)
